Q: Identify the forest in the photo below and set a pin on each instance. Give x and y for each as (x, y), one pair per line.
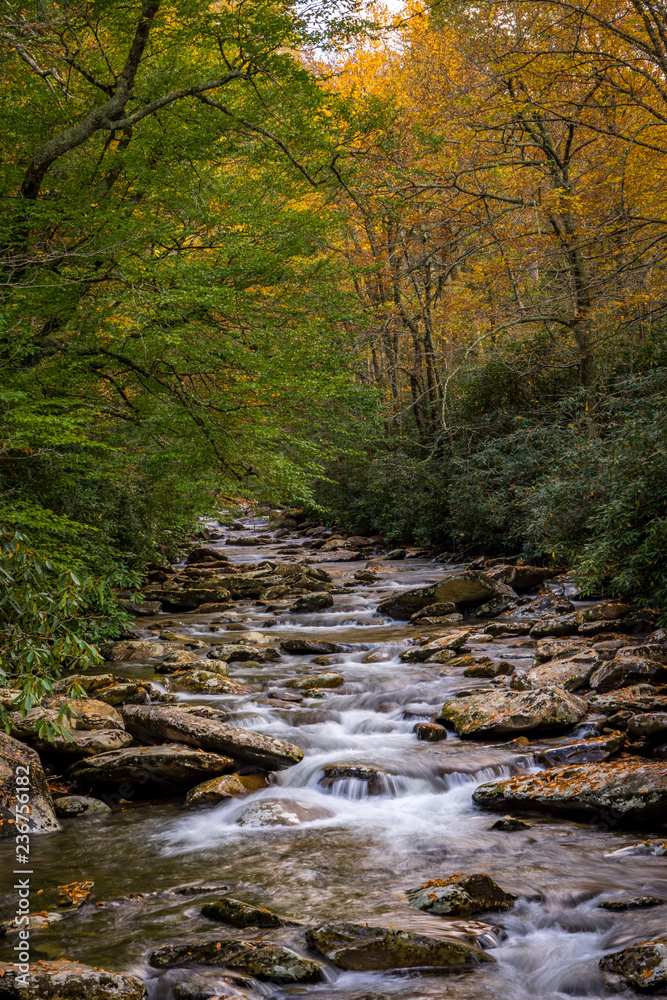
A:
(404, 270)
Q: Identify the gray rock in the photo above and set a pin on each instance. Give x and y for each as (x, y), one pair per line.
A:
(642, 967)
(311, 603)
(544, 606)
(653, 724)
(631, 903)
(570, 673)
(584, 752)
(360, 948)
(206, 682)
(230, 786)
(64, 980)
(267, 962)
(21, 774)
(505, 713)
(626, 671)
(321, 647)
(562, 625)
(637, 699)
(621, 791)
(460, 896)
(203, 730)
(281, 812)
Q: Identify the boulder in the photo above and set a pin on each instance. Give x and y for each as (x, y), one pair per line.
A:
(653, 724)
(460, 896)
(544, 606)
(311, 603)
(637, 699)
(360, 948)
(240, 914)
(281, 812)
(205, 730)
(330, 680)
(205, 554)
(642, 967)
(231, 786)
(206, 682)
(69, 806)
(85, 744)
(631, 903)
(487, 668)
(558, 649)
(626, 671)
(268, 962)
(463, 588)
(24, 791)
(240, 652)
(584, 752)
(434, 611)
(170, 767)
(137, 649)
(375, 780)
(561, 625)
(63, 980)
(125, 692)
(570, 673)
(506, 713)
(608, 611)
(622, 791)
(520, 577)
(189, 598)
(141, 608)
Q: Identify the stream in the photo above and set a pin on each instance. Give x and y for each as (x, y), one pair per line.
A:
(355, 853)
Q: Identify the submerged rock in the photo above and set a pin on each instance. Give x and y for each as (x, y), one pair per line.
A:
(460, 896)
(64, 980)
(632, 903)
(613, 791)
(281, 812)
(240, 914)
(21, 774)
(504, 713)
(642, 967)
(510, 824)
(199, 727)
(170, 767)
(374, 778)
(360, 948)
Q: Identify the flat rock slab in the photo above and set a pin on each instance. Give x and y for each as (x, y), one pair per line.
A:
(360, 948)
(240, 914)
(269, 962)
(637, 699)
(21, 774)
(505, 713)
(618, 791)
(68, 981)
(171, 766)
(153, 724)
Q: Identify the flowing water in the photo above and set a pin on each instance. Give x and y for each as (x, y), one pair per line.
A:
(355, 854)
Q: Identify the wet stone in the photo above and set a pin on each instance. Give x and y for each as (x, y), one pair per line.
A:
(63, 980)
(240, 914)
(642, 967)
(69, 806)
(460, 896)
(430, 732)
(510, 824)
(374, 778)
(634, 903)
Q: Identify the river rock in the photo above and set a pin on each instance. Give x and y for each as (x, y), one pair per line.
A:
(206, 682)
(434, 611)
(320, 646)
(626, 672)
(649, 848)
(570, 673)
(330, 680)
(520, 577)
(505, 713)
(205, 554)
(631, 903)
(190, 598)
(125, 692)
(18, 761)
(562, 625)
(268, 962)
(460, 896)
(559, 649)
(311, 603)
(637, 699)
(137, 649)
(584, 752)
(464, 588)
(642, 967)
(430, 732)
(63, 980)
(489, 668)
(84, 744)
(626, 790)
(543, 606)
(231, 786)
(69, 806)
(242, 652)
(360, 948)
(204, 730)
(653, 724)
(240, 914)
(281, 812)
(171, 766)
(374, 778)
(506, 628)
